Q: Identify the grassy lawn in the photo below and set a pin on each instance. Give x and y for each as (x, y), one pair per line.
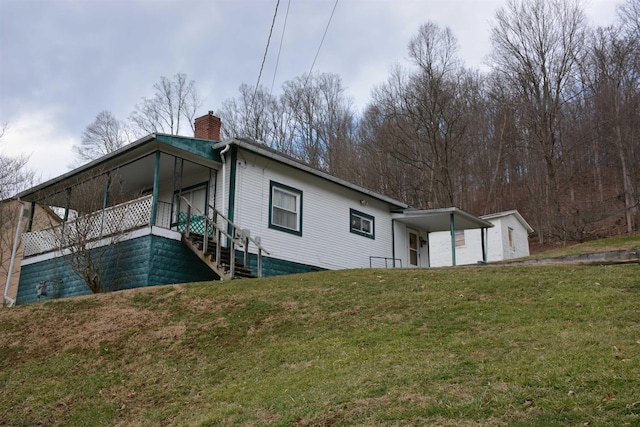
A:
(491, 346)
(602, 245)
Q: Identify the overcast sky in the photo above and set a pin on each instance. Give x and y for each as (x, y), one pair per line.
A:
(64, 61)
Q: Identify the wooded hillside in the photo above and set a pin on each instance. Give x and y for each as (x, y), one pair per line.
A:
(551, 129)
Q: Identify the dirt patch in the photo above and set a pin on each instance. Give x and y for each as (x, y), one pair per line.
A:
(85, 329)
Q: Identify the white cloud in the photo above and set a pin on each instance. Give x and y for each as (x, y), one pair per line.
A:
(38, 136)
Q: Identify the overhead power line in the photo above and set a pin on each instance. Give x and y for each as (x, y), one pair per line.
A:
(264, 58)
(322, 41)
(286, 16)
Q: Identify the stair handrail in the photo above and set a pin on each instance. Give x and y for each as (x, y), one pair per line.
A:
(236, 227)
(205, 241)
(207, 220)
(247, 240)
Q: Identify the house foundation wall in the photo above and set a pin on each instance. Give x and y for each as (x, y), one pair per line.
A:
(144, 261)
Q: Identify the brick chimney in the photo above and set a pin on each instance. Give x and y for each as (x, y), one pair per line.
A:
(207, 127)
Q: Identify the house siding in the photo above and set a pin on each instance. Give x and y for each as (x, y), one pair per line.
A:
(469, 253)
(143, 261)
(325, 209)
(520, 246)
(497, 243)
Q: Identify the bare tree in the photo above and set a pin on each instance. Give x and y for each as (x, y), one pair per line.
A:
(91, 235)
(427, 114)
(312, 120)
(175, 102)
(250, 115)
(535, 48)
(629, 16)
(104, 135)
(615, 87)
(321, 119)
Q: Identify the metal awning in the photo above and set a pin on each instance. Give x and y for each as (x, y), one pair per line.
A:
(452, 219)
(431, 220)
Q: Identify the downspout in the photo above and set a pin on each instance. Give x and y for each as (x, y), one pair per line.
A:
(13, 257)
(453, 239)
(224, 179)
(393, 241)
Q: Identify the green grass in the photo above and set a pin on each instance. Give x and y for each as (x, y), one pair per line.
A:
(496, 346)
(602, 245)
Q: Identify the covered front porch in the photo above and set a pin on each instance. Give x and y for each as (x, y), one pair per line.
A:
(413, 226)
(141, 202)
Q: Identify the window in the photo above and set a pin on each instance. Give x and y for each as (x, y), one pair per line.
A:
(362, 224)
(510, 232)
(285, 209)
(460, 238)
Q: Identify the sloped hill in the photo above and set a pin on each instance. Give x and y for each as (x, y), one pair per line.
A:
(543, 345)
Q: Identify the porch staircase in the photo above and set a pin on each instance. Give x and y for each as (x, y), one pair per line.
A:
(221, 267)
(222, 260)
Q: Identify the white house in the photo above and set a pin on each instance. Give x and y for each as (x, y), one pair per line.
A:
(275, 214)
(507, 239)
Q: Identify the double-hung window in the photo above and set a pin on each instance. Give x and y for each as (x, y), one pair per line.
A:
(285, 208)
(362, 224)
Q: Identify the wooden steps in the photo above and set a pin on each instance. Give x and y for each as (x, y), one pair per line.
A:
(221, 267)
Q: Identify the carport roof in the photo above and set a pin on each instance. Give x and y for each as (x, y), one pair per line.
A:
(431, 220)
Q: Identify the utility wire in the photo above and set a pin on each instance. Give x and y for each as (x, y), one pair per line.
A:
(286, 16)
(321, 42)
(264, 58)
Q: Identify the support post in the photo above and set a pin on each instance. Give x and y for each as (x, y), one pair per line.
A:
(105, 202)
(31, 214)
(246, 252)
(187, 226)
(218, 247)
(232, 258)
(453, 239)
(154, 199)
(483, 239)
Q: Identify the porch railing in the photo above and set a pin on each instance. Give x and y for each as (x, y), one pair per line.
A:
(109, 222)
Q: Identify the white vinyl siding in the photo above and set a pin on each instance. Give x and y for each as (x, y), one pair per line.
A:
(506, 240)
(325, 240)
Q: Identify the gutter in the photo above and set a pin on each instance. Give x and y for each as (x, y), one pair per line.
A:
(272, 154)
(13, 256)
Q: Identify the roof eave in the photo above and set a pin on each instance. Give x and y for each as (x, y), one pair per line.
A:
(84, 168)
(272, 154)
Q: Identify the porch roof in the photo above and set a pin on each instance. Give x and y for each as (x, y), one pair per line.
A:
(431, 220)
(138, 152)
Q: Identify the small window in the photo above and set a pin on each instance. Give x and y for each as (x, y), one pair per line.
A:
(362, 224)
(510, 233)
(285, 209)
(460, 238)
